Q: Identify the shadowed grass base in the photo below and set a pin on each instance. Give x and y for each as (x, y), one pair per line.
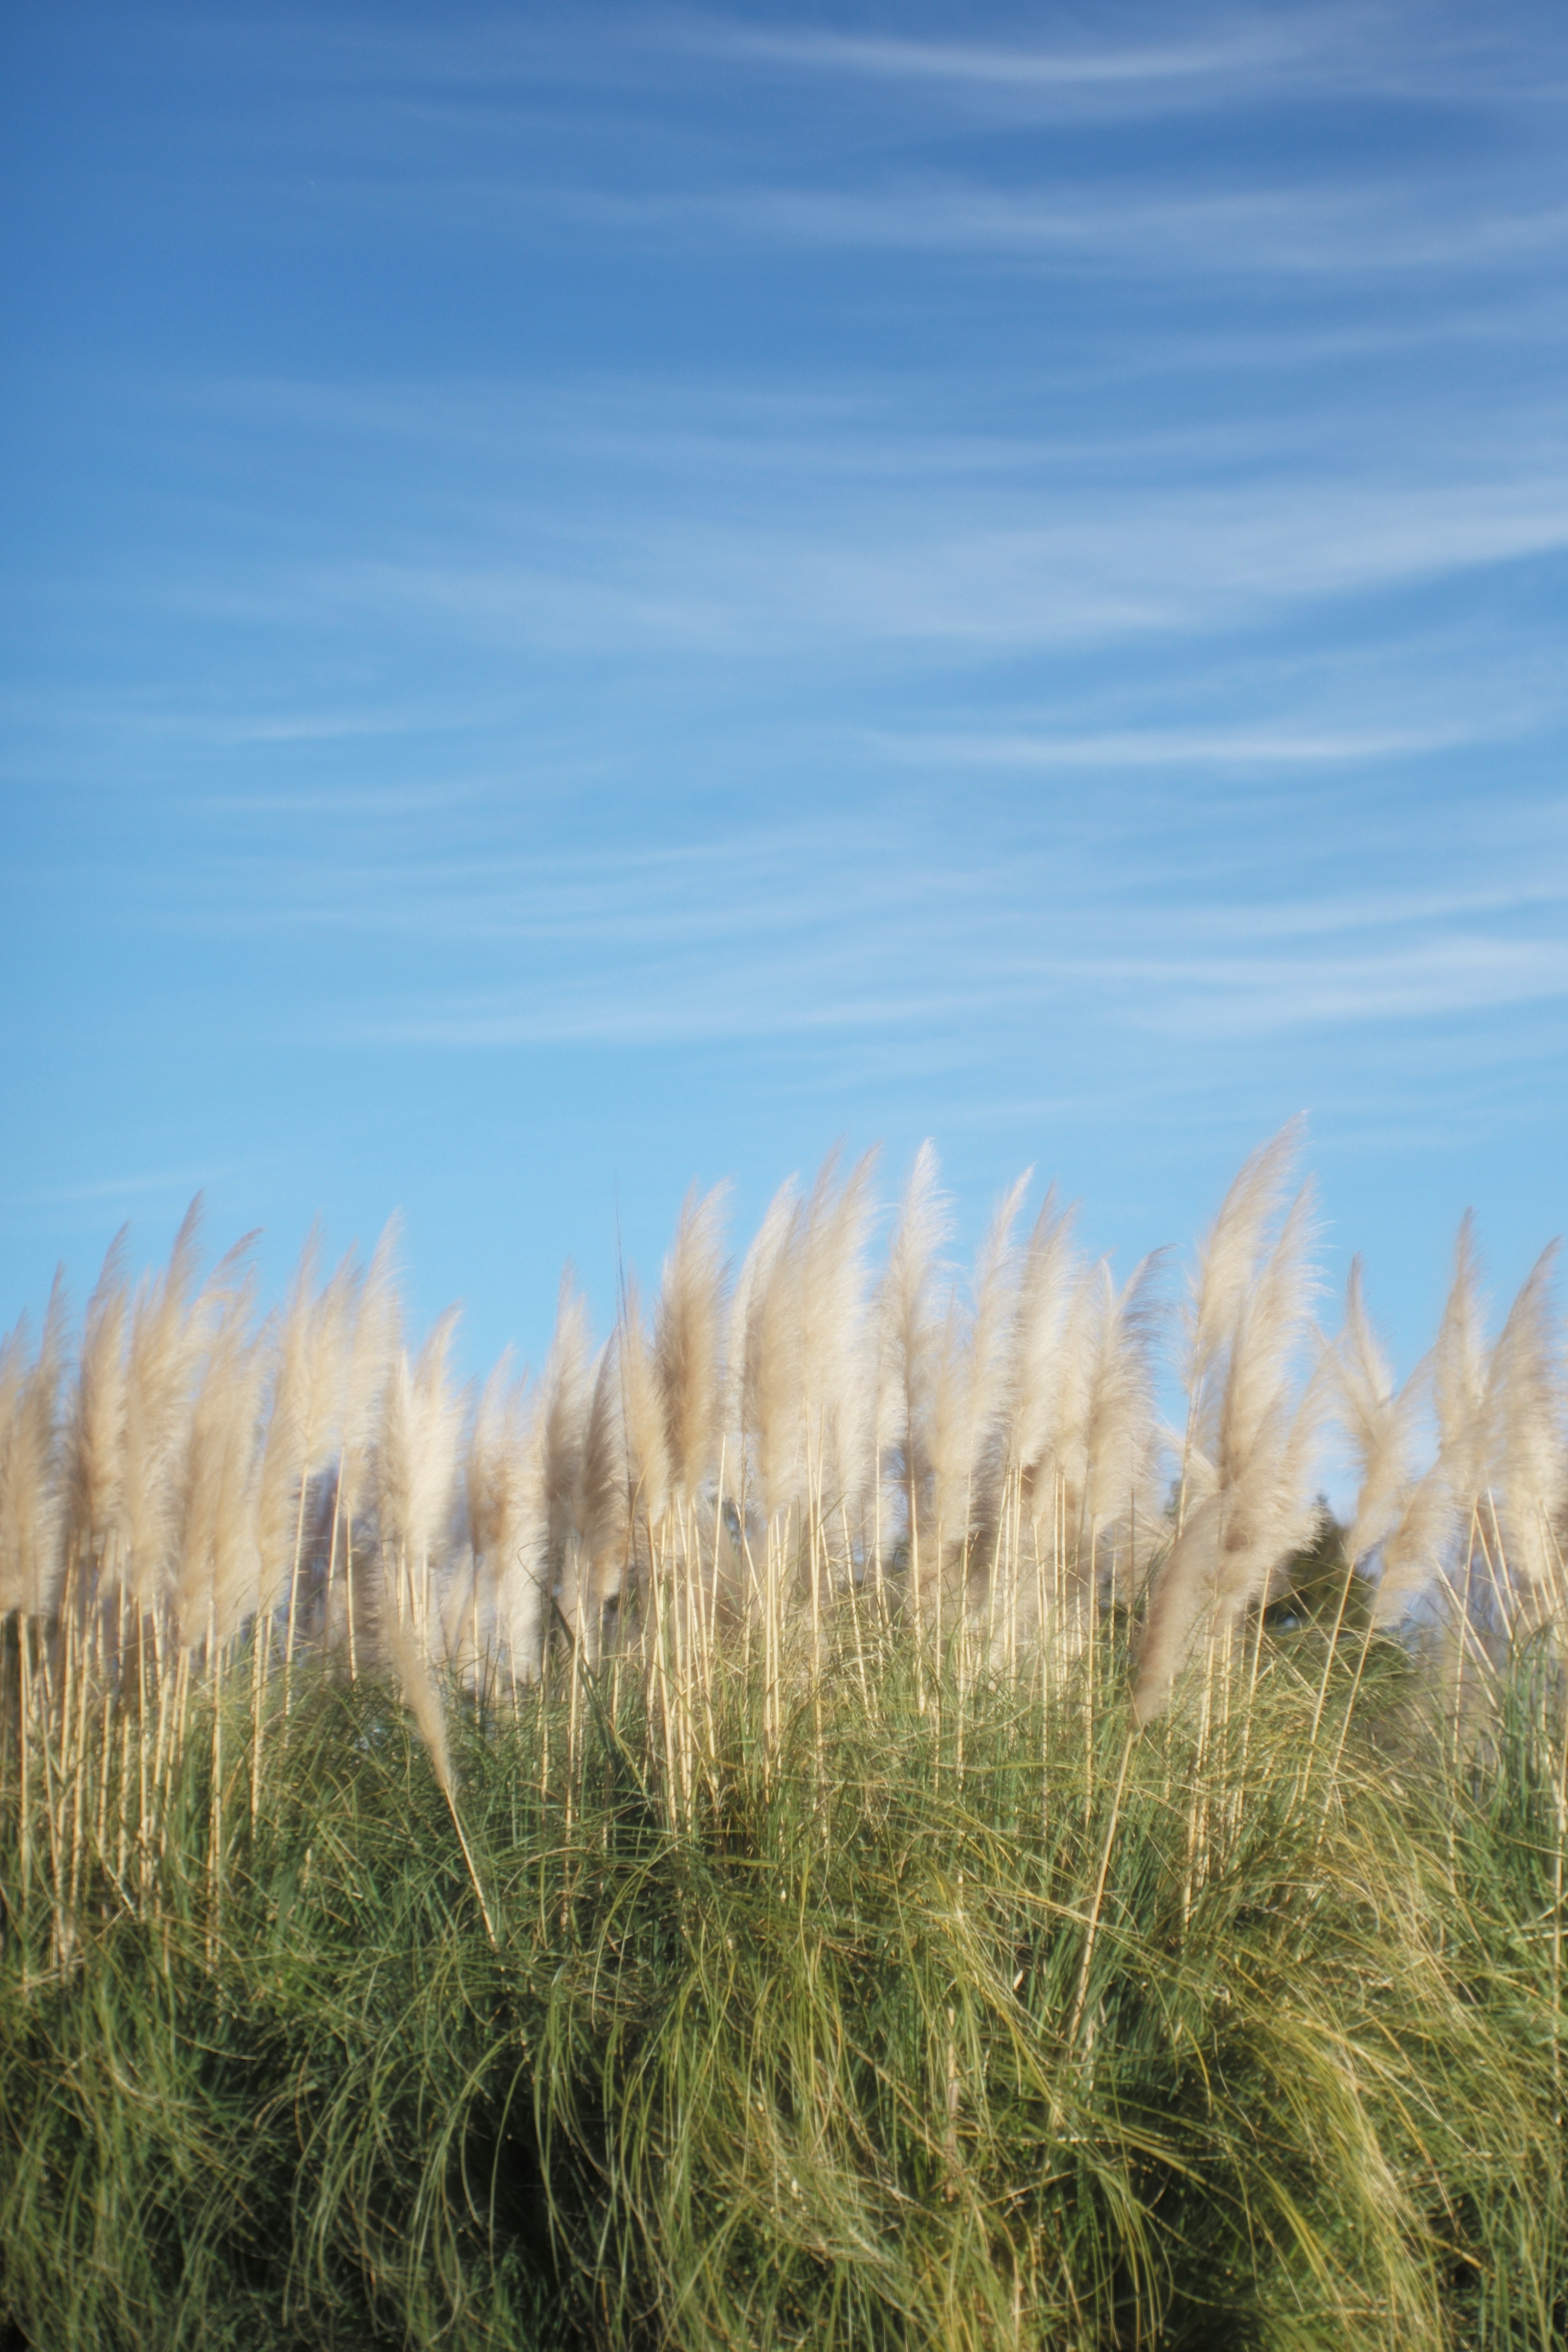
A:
(960, 2018)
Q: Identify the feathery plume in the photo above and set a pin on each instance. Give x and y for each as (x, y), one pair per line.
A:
(29, 1515)
(687, 1338)
(969, 1392)
(1419, 1546)
(303, 1426)
(94, 1425)
(833, 1302)
(424, 1703)
(910, 1337)
(1378, 1421)
(1227, 1265)
(217, 1558)
(1459, 1370)
(416, 1470)
(495, 1489)
(1526, 1443)
(1048, 1285)
(562, 1414)
(374, 1322)
(1121, 1449)
(599, 1540)
(644, 1399)
(166, 1339)
(764, 1368)
(1252, 1505)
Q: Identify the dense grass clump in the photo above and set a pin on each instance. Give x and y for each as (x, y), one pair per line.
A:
(819, 1822)
(962, 2015)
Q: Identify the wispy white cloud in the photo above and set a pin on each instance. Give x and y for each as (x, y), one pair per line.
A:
(1212, 57)
(1062, 569)
(850, 929)
(109, 1192)
(1239, 745)
(1458, 974)
(1347, 231)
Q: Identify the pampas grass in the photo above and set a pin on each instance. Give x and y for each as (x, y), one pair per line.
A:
(861, 1865)
(977, 1462)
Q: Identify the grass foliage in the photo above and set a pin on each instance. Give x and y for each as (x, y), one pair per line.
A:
(976, 2018)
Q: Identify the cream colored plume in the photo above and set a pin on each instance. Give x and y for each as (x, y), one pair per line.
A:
(910, 1333)
(29, 1500)
(833, 1369)
(1526, 1448)
(1424, 1544)
(94, 1443)
(562, 1414)
(304, 1420)
(764, 1386)
(416, 1478)
(1460, 1370)
(373, 1316)
(645, 1433)
(167, 1333)
(216, 1558)
(1251, 1481)
(688, 1338)
(1120, 1525)
(1379, 1421)
(1228, 1263)
(1422, 1547)
(1047, 1280)
(495, 1489)
(969, 1394)
(1400, 1517)
(598, 1541)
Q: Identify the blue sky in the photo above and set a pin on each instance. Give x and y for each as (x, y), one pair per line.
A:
(591, 597)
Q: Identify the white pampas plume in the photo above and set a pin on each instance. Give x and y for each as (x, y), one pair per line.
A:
(1254, 1506)
(1419, 1548)
(1048, 1279)
(1059, 1474)
(95, 1426)
(166, 1338)
(15, 1350)
(598, 1547)
(910, 1337)
(563, 1414)
(1121, 1452)
(1526, 1464)
(519, 1556)
(969, 1395)
(374, 1320)
(687, 1342)
(424, 1703)
(1460, 1370)
(832, 1300)
(217, 1558)
(496, 1489)
(416, 1470)
(764, 1361)
(773, 1382)
(422, 1698)
(1268, 1333)
(29, 1516)
(644, 1398)
(1379, 1421)
(492, 1467)
(302, 1432)
(1227, 1266)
